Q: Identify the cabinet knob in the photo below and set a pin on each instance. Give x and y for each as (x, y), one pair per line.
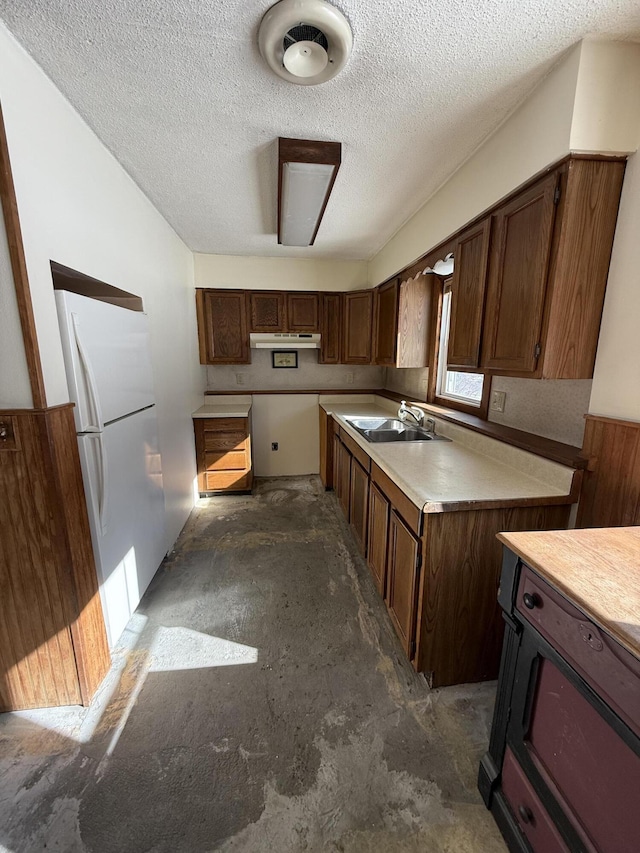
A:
(525, 813)
(531, 600)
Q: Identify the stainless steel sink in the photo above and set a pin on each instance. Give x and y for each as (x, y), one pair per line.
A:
(391, 429)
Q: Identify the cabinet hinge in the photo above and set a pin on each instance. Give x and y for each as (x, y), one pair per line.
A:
(537, 350)
(556, 194)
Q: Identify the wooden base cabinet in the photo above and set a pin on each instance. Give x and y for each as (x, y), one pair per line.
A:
(378, 537)
(403, 569)
(563, 768)
(223, 455)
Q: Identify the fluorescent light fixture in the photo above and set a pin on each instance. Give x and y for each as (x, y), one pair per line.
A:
(306, 173)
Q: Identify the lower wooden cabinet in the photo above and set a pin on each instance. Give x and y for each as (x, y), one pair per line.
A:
(223, 455)
(403, 569)
(378, 537)
(359, 504)
(342, 474)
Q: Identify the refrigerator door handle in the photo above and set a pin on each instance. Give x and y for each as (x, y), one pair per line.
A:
(104, 482)
(93, 401)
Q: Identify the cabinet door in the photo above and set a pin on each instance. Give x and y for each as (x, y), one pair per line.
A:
(414, 314)
(330, 328)
(303, 314)
(358, 317)
(267, 311)
(402, 581)
(342, 474)
(223, 335)
(467, 296)
(359, 504)
(378, 537)
(386, 325)
(584, 764)
(518, 270)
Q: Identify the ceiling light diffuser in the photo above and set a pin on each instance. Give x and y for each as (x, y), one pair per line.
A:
(307, 170)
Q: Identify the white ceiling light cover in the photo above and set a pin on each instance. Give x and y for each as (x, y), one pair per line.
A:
(305, 61)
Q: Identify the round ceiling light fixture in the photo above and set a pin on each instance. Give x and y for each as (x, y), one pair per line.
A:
(305, 41)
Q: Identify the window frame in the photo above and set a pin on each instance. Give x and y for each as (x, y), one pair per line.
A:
(442, 286)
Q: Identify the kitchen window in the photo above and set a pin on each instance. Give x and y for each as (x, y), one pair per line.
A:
(456, 388)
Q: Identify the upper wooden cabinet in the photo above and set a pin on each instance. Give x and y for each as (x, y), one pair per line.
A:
(414, 311)
(401, 336)
(471, 253)
(303, 313)
(330, 328)
(267, 310)
(548, 268)
(357, 326)
(223, 334)
(386, 323)
(522, 235)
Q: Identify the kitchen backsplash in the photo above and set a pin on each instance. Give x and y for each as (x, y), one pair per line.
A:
(554, 409)
(411, 381)
(260, 375)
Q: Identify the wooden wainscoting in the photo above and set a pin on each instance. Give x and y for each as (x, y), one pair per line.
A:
(611, 490)
(53, 643)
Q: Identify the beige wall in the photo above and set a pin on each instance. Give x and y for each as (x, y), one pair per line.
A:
(79, 207)
(292, 421)
(606, 111)
(616, 381)
(279, 273)
(533, 136)
(15, 388)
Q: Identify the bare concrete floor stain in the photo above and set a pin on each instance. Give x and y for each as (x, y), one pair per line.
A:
(258, 701)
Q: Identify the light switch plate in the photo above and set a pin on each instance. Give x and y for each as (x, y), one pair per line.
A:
(497, 401)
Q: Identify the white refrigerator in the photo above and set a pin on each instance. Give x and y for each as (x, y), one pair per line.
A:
(108, 367)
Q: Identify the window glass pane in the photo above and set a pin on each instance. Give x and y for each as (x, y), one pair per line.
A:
(468, 385)
(465, 387)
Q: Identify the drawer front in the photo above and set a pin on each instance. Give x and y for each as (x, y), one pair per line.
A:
(226, 425)
(230, 481)
(223, 441)
(600, 660)
(229, 461)
(530, 814)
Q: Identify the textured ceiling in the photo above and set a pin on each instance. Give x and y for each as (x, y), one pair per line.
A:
(179, 93)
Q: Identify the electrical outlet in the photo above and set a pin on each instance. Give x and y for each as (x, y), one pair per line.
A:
(349, 378)
(240, 378)
(497, 401)
(424, 384)
(274, 445)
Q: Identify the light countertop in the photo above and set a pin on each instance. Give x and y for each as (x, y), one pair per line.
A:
(229, 406)
(469, 472)
(598, 569)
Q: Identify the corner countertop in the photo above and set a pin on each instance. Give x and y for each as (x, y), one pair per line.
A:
(229, 406)
(597, 569)
(468, 472)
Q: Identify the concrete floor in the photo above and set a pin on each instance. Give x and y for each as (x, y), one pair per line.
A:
(258, 701)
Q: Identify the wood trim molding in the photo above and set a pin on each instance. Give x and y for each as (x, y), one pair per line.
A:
(19, 270)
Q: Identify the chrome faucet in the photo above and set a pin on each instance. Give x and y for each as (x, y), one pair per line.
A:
(416, 413)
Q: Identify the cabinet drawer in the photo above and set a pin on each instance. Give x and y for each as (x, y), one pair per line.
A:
(530, 814)
(226, 461)
(226, 425)
(228, 481)
(600, 660)
(223, 441)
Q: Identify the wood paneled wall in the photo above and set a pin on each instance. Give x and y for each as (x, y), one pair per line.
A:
(53, 644)
(611, 490)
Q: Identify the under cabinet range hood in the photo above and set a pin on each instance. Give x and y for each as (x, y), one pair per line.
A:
(288, 340)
